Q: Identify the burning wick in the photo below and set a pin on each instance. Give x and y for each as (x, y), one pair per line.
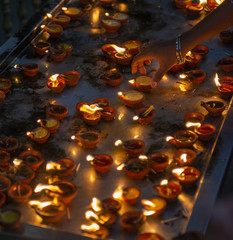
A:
(164, 182)
(30, 134)
(183, 157)
(118, 193)
(169, 138)
(90, 158)
(54, 80)
(40, 187)
(177, 171)
(74, 137)
(143, 157)
(17, 66)
(42, 26)
(64, 8)
(91, 228)
(183, 76)
(192, 124)
(132, 81)
(96, 205)
(91, 109)
(118, 142)
(49, 15)
(121, 166)
(17, 162)
(53, 165)
(40, 122)
(107, 14)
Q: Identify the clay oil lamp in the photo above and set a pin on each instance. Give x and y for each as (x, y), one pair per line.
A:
(133, 147)
(87, 139)
(187, 176)
(192, 59)
(94, 230)
(177, 67)
(185, 84)
(132, 99)
(132, 46)
(226, 36)
(39, 135)
(8, 144)
(144, 115)
(32, 158)
(205, 132)
(20, 192)
(4, 156)
(49, 211)
(194, 10)
(28, 69)
(108, 113)
(142, 83)
(63, 168)
(193, 119)
(91, 113)
(10, 218)
(224, 85)
(54, 30)
(101, 162)
(102, 102)
(71, 78)
(184, 138)
(158, 161)
(41, 47)
(184, 156)
(168, 190)
(131, 195)
(2, 198)
(148, 236)
(195, 76)
(62, 20)
(57, 54)
(105, 219)
(111, 26)
(113, 77)
(66, 47)
(226, 64)
(182, 3)
(2, 96)
(56, 84)
(5, 85)
(111, 205)
(108, 50)
(122, 57)
(121, 17)
(79, 105)
(5, 184)
(51, 123)
(56, 111)
(201, 50)
(72, 12)
(154, 205)
(214, 108)
(132, 220)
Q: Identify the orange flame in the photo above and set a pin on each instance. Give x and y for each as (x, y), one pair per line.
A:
(169, 138)
(90, 108)
(49, 15)
(192, 124)
(17, 162)
(90, 158)
(96, 204)
(120, 167)
(216, 79)
(91, 228)
(148, 212)
(164, 182)
(40, 187)
(177, 171)
(119, 49)
(148, 203)
(53, 165)
(183, 157)
(118, 193)
(54, 80)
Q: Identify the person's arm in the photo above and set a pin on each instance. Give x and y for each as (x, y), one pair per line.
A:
(165, 52)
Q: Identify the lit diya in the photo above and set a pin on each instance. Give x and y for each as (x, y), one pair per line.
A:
(108, 50)
(177, 67)
(182, 3)
(5, 184)
(72, 12)
(226, 36)
(214, 108)
(5, 85)
(41, 47)
(194, 10)
(20, 192)
(71, 78)
(201, 50)
(205, 132)
(94, 230)
(132, 220)
(111, 26)
(108, 113)
(49, 211)
(195, 76)
(123, 57)
(113, 77)
(132, 46)
(2, 96)
(8, 144)
(192, 59)
(142, 83)
(56, 111)
(65, 47)
(155, 205)
(87, 139)
(102, 102)
(101, 162)
(158, 161)
(185, 138)
(91, 113)
(62, 20)
(144, 115)
(168, 190)
(79, 105)
(39, 134)
(54, 30)
(28, 69)
(63, 167)
(224, 85)
(55, 84)
(194, 117)
(132, 98)
(51, 123)
(133, 147)
(123, 18)
(2, 198)
(226, 64)
(57, 54)
(187, 176)
(32, 158)
(111, 205)
(131, 195)
(10, 218)
(150, 236)
(104, 219)
(4, 156)
(184, 156)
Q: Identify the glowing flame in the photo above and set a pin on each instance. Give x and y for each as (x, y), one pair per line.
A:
(89, 158)
(192, 124)
(91, 228)
(39, 121)
(169, 138)
(183, 157)
(90, 214)
(107, 14)
(121, 115)
(216, 79)
(143, 157)
(118, 142)
(118, 193)
(182, 76)
(90, 108)
(52, 165)
(189, 54)
(177, 171)
(164, 182)
(132, 81)
(53, 102)
(219, 1)
(17, 162)
(54, 80)
(42, 26)
(148, 203)
(49, 15)
(95, 17)
(120, 167)
(148, 213)
(135, 118)
(40, 187)
(29, 134)
(120, 93)
(136, 136)
(203, 1)
(73, 137)
(16, 66)
(96, 204)
(64, 8)
(118, 49)
(41, 205)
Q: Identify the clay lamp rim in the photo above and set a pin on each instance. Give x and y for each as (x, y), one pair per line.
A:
(102, 102)
(107, 23)
(47, 123)
(123, 96)
(147, 236)
(184, 133)
(59, 18)
(57, 52)
(102, 160)
(7, 183)
(205, 129)
(108, 111)
(8, 140)
(108, 75)
(108, 49)
(29, 66)
(35, 159)
(158, 208)
(192, 176)
(76, 11)
(14, 222)
(7, 81)
(24, 192)
(42, 45)
(4, 156)
(116, 16)
(194, 117)
(215, 107)
(158, 158)
(140, 218)
(191, 155)
(69, 166)
(133, 144)
(5, 167)
(24, 168)
(111, 204)
(81, 137)
(124, 45)
(33, 133)
(58, 28)
(145, 113)
(134, 199)
(62, 109)
(66, 74)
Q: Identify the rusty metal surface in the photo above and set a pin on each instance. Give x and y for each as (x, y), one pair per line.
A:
(28, 98)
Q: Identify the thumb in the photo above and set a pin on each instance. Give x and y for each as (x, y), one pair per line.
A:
(158, 75)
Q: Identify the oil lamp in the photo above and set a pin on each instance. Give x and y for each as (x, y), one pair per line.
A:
(32, 158)
(5, 85)
(55, 84)
(28, 69)
(5, 184)
(184, 156)
(145, 115)
(226, 64)
(132, 46)
(158, 161)
(131, 195)
(51, 123)
(56, 111)
(39, 134)
(72, 12)
(122, 57)
(8, 144)
(94, 230)
(168, 190)
(111, 205)
(91, 113)
(20, 192)
(87, 139)
(4, 156)
(101, 162)
(62, 20)
(108, 50)
(101, 102)
(108, 113)
(201, 50)
(195, 76)
(132, 220)
(57, 54)
(214, 108)
(156, 204)
(123, 18)
(194, 117)
(2, 96)
(132, 98)
(226, 36)
(194, 10)
(71, 78)
(113, 77)
(111, 26)
(148, 236)
(192, 59)
(142, 83)
(205, 132)
(224, 86)
(41, 47)
(10, 218)
(104, 219)
(54, 30)
(65, 47)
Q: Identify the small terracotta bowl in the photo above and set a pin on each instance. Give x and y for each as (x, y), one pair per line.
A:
(32, 158)
(132, 47)
(205, 132)
(123, 58)
(159, 205)
(194, 117)
(10, 218)
(58, 88)
(190, 156)
(132, 220)
(25, 174)
(5, 85)
(5, 168)
(62, 20)
(142, 83)
(121, 17)
(133, 147)
(111, 205)
(71, 78)
(226, 36)
(132, 98)
(185, 138)
(88, 139)
(54, 30)
(20, 193)
(214, 108)
(41, 47)
(30, 69)
(92, 119)
(65, 47)
(193, 61)
(131, 195)
(194, 10)
(108, 113)
(73, 13)
(226, 64)
(201, 50)
(111, 26)
(113, 78)
(51, 123)
(39, 135)
(108, 50)
(145, 120)
(196, 76)
(56, 111)
(57, 55)
(158, 161)
(68, 165)
(8, 144)
(102, 163)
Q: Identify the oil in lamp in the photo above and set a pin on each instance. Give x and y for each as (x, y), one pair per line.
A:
(102, 102)
(94, 230)
(57, 54)
(5, 85)
(131, 195)
(226, 64)
(71, 78)
(184, 156)
(122, 57)
(226, 36)
(205, 132)
(8, 144)
(91, 113)
(123, 18)
(87, 139)
(4, 156)
(108, 113)
(158, 161)
(5, 184)
(63, 168)
(145, 115)
(111, 205)
(2, 198)
(32, 158)
(214, 108)
(56, 84)
(51, 123)
(111, 26)
(54, 30)
(132, 220)
(132, 46)
(39, 134)
(187, 176)
(10, 218)
(142, 83)
(132, 98)
(201, 50)
(101, 162)
(148, 236)
(56, 111)
(224, 85)
(19, 192)
(72, 12)
(28, 69)
(168, 190)
(156, 204)
(41, 47)
(2, 96)
(192, 59)
(62, 20)
(113, 77)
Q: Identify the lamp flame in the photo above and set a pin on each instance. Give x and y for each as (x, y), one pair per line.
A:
(219, 1)
(90, 108)
(73, 137)
(53, 165)
(96, 204)
(17, 162)
(120, 167)
(49, 15)
(119, 49)
(132, 81)
(192, 124)
(203, 1)
(118, 193)
(135, 118)
(118, 142)
(182, 76)
(107, 14)
(177, 171)
(41, 205)
(42, 26)
(40, 187)
(91, 228)
(143, 157)
(148, 203)
(64, 8)
(89, 158)
(164, 182)
(148, 213)
(183, 157)
(169, 138)
(95, 17)
(216, 79)
(54, 80)
(120, 93)
(121, 115)
(90, 214)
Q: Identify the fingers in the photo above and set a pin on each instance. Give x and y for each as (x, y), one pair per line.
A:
(158, 76)
(138, 64)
